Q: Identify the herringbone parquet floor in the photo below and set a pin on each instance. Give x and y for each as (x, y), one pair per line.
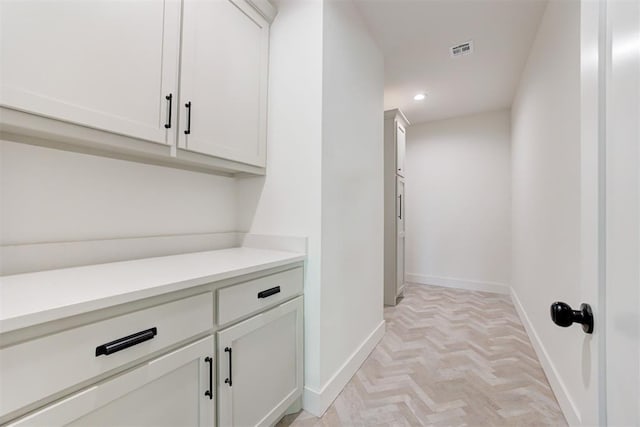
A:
(449, 358)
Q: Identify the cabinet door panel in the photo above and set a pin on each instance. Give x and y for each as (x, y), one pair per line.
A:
(401, 143)
(267, 366)
(400, 232)
(400, 279)
(147, 405)
(224, 77)
(401, 210)
(99, 63)
(167, 391)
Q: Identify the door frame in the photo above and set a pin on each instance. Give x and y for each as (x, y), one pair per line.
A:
(592, 199)
(595, 73)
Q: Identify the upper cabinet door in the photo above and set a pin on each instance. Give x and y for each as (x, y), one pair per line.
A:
(103, 64)
(401, 142)
(223, 83)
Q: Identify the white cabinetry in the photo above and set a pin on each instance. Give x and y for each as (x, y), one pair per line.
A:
(223, 84)
(72, 355)
(260, 359)
(171, 390)
(101, 358)
(103, 64)
(395, 125)
(260, 366)
(113, 66)
(401, 146)
(400, 242)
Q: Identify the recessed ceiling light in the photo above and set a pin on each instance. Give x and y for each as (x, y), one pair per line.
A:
(419, 97)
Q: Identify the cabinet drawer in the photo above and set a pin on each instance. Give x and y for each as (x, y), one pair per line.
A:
(237, 301)
(35, 369)
(152, 394)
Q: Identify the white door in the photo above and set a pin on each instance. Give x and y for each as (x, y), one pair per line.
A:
(260, 366)
(171, 390)
(401, 146)
(610, 78)
(104, 64)
(223, 82)
(622, 259)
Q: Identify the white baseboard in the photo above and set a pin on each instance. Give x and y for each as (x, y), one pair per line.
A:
(452, 282)
(317, 402)
(568, 407)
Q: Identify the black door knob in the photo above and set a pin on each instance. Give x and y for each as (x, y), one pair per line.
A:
(563, 315)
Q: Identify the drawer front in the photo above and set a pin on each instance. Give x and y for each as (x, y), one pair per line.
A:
(237, 301)
(152, 394)
(35, 369)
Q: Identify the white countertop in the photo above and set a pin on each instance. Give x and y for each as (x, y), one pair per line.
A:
(34, 298)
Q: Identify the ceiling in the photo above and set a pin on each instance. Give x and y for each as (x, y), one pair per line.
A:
(415, 37)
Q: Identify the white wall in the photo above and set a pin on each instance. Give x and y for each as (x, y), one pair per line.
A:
(325, 181)
(287, 201)
(352, 185)
(546, 205)
(458, 202)
(49, 195)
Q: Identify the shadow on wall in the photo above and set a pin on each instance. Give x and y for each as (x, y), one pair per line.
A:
(248, 195)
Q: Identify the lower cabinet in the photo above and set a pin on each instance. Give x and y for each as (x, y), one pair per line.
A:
(161, 364)
(400, 275)
(172, 390)
(260, 366)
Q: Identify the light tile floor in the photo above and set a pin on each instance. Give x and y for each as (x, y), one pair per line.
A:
(449, 357)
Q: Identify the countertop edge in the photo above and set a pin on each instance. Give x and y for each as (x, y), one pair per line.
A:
(11, 324)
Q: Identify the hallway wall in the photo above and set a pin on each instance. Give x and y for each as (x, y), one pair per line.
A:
(324, 182)
(458, 192)
(546, 205)
(352, 191)
(286, 201)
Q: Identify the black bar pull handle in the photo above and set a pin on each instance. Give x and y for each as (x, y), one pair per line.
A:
(170, 99)
(188, 130)
(229, 380)
(268, 292)
(126, 342)
(209, 393)
(400, 206)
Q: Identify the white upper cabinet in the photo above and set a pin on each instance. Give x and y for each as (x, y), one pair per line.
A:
(223, 82)
(188, 74)
(102, 64)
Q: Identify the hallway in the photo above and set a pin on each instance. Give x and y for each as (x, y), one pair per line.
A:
(449, 357)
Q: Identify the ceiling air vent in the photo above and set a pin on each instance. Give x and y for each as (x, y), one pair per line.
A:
(461, 49)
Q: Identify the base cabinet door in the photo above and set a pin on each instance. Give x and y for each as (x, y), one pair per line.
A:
(172, 390)
(104, 64)
(260, 366)
(400, 279)
(223, 80)
(400, 230)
